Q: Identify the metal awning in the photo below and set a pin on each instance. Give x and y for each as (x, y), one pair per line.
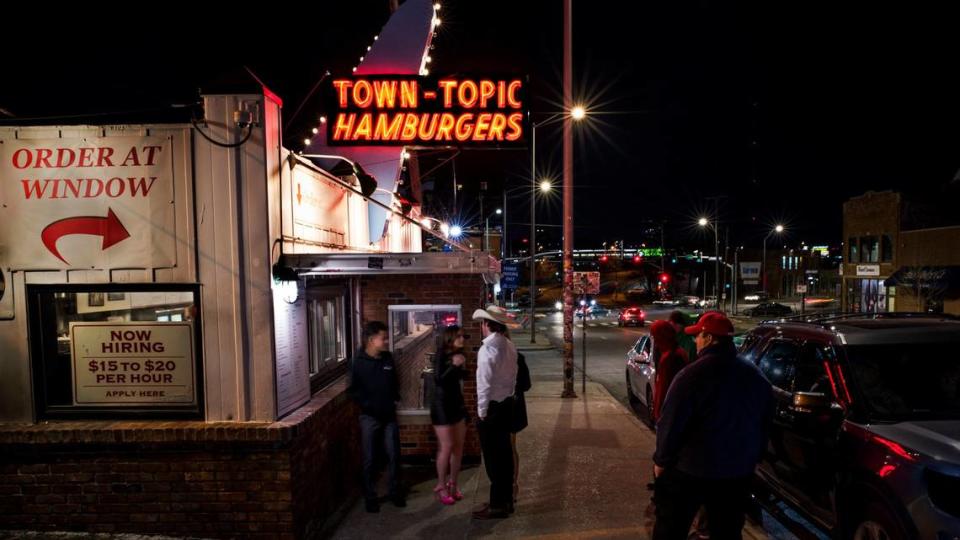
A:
(341, 264)
(930, 278)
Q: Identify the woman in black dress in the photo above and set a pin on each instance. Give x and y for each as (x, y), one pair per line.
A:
(449, 413)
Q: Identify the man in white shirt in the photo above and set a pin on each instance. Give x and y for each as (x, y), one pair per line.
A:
(496, 382)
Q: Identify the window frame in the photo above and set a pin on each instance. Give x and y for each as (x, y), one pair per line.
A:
(39, 351)
(340, 294)
(853, 250)
(886, 248)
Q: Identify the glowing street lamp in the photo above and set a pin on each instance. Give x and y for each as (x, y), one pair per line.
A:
(576, 113)
(776, 230)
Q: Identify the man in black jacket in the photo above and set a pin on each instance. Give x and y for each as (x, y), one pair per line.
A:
(373, 385)
(710, 436)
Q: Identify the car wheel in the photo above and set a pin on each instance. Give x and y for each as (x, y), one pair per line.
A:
(631, 397)
(877, 523)
(620, 323)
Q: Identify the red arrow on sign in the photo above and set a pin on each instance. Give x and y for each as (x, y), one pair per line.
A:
(108, 227)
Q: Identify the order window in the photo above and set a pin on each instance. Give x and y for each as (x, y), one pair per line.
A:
(116, 350)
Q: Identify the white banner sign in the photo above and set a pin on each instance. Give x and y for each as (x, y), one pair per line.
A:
(132, 363)
(102, 202)
(869, 270)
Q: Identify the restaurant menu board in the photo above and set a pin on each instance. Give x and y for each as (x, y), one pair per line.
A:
(293, 366)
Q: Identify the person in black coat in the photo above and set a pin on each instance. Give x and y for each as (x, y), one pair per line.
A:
(710, 436)
(374, 387)
(519, 417)
(448, 413)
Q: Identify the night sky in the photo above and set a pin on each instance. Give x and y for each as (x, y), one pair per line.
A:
(786, 111)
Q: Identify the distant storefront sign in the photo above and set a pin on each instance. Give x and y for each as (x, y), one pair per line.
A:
(132, 363)
(420, 111)
(510, 276)
(868, 270)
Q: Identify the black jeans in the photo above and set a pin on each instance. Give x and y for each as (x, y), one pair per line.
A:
(372, 431)
(498, 452)
(678, 497)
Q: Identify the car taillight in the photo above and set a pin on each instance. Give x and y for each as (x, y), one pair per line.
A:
(895, 447)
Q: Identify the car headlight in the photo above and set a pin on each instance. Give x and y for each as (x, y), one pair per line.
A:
(943, 489)
(558, 306)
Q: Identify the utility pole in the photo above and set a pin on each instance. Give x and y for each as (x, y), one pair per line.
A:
(504, 252)
(456, 186)
(736, 259)
(568, 380)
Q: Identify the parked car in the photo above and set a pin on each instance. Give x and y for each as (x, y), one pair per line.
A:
(591, 309)
(768, 309)
(641, 371)
(632, 315)
(865, 438)
(596, 310)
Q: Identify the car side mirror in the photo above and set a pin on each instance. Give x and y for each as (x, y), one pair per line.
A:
(811, 402)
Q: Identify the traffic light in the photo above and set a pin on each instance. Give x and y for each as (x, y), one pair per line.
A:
(604, 258)
(636, 259)
(664, 278)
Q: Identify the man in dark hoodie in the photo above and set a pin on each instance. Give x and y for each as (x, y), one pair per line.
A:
(373, 385)
(710, 436)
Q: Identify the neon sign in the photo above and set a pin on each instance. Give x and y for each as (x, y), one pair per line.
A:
(397, 109)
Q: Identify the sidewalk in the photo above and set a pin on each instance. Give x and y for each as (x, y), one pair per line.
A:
(522, 338)
(584, 467)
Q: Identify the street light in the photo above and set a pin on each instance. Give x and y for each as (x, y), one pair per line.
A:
(486, 230)
(763, 265)
(577, 113)
(704, 222)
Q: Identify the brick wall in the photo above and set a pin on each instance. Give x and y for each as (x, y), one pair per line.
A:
(221, 480)
(379, 292)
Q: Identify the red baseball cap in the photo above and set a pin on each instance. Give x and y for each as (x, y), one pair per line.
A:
(712, 322)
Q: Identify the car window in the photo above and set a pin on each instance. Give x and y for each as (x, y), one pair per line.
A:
(811, 374)
(749, 348)
(779, 363)
(638, 346)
